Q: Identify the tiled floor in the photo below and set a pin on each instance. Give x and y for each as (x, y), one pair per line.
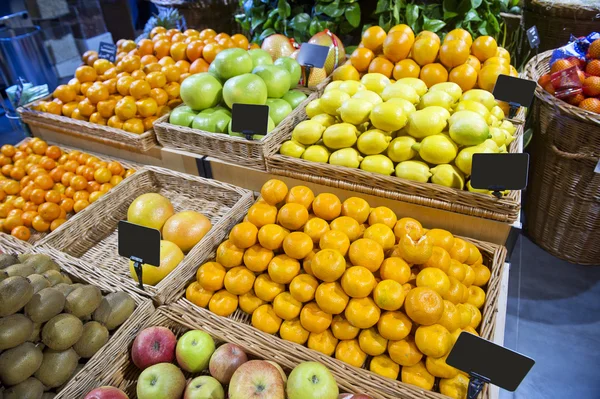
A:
(554, 317)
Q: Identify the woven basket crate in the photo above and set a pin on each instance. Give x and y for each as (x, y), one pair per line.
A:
(562, 206)
(493, 257)
(120, 372)
(238, 150)
(93, 236)
(35, 235)
(431, 195)
(86, 130)
(71, 267)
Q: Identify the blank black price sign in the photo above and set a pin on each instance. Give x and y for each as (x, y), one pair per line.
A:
(312, 55)
(515, 91)
(250, 119)
(493, 363)
(498, 172)
(139, 242)
(108, 51)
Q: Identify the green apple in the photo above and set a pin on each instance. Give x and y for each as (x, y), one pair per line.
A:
(278, 109)
(182, 116)
(311, 380)
(204, 387)
(194, 350)
(161, 381)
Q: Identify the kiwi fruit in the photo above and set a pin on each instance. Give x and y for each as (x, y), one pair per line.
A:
(39, 282)
(114, 309)
(41, 263)
(62, 331)
(67, 279)
(8, 260)
(23, 257)
(57, 367)
(53, 276)
(20, 270)
(35, 334)
(65, 288)
(83, 301)
(19, 363)
(3, 276)
(31, 388)
(14, 330)
(94, 336)
(45, 305)
(15, 292)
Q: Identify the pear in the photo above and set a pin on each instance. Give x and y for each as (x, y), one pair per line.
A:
(427, 122)
(400, 149)
(355, 111)
(413, 170)
(436, 98)
(417, 84)
(468, 128)
(480, 96)
(399, 90)
(464, 159)
(449, 87)
(324, 119)
(448, 175)
(373, 142)
(339, 136)
(316, 153)
(308, 132)
(377, 164)
(348, 157)
(436, 149)
(292, 148)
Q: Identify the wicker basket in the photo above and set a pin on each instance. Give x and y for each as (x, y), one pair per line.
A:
(214, 14)
(493, 257)
(93, 236)
(35, 235)
(70, 266)
(426, 194)
(563, 206)
(250, 153)
(86, 130)
(557, 20)
(123, 374)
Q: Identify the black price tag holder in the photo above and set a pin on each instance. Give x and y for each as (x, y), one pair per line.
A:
(108, 51)
(533, 38)
(499, 172)
(488, 363)
(139, 244)
(516, 92)
(250, 119)
(311, 56)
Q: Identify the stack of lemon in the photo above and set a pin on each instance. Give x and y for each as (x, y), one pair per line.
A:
(402, 128)
(458, 58)
(349, 281)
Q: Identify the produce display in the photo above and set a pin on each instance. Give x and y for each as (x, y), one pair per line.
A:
(215, 372)
(349, 281)
(41, 185)
(50, 326)
(402, 128)
(180, 232)
(244, 77)
(576, 80)
(470, 63)
(144, 82)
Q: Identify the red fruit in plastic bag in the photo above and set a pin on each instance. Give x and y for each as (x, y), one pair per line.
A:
(566, 82)
(579, 63)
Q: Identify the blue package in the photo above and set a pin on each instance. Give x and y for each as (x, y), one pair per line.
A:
(577, 47)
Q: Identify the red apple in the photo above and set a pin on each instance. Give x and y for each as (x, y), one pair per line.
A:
(353, 396)
(106, 392)
(256, 379)
(225, 361)
(152, 346)
(278, 367)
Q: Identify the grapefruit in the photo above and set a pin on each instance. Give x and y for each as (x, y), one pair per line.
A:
(294, 98)
(260, 57)
(233, 62)
(277, 79)
(245, 89)
(201, 91)
(150, 210)
(337, 53)
(278, 109)
(170, 257)
(292, 67)
(186, 229)
(278, 46)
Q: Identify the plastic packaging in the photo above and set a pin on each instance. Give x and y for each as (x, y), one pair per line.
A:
(566, 83)
(577, 47)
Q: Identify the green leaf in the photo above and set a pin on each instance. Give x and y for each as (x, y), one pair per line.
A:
(476, 3)
(382, 6)
(300, 22)
(433, 25)
(285, 10)
(449, 14)
(256, 22)
(333, 10)
(314, 27)
(268, 24)
(482, 28)
(472, 16)
(396, 14)
(450, 5)
(412, 14)
(493, 25)
(463, 7)
(266, 33)
(352, 14)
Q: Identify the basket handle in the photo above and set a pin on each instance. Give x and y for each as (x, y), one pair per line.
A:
(569, 155)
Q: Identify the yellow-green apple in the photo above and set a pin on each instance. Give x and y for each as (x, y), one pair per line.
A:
(278, 367)
(153, 345)
(194, 350)
(256, 379)
(226, 359)
(204, 387)
(106, 392)
(161, 381)
(311, 380)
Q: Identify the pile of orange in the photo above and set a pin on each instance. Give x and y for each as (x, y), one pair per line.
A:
(458, 58)
(349, 281)
(143, 84)
(588, 71)
(40, 185)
